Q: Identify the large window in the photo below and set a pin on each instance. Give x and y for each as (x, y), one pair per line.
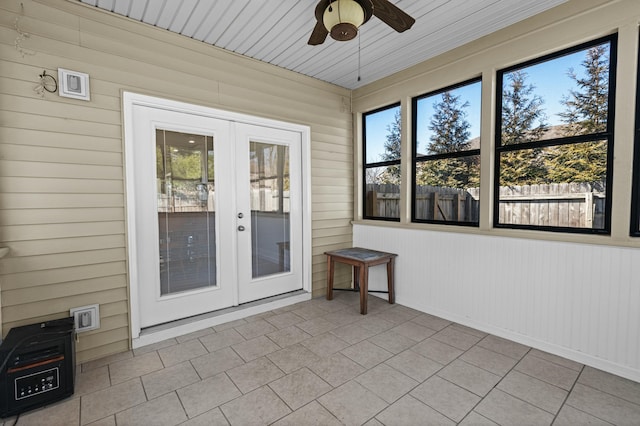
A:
(635, 206)
(554, 141)
(446, 155)
(382, 178)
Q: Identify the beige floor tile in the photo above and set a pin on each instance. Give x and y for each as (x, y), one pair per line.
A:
(352, 333)
(367, 354)
(373, 422)
(307, 312)
(352, 403)
(446, 398)
(488, 360)
(154, 347)
(288, 336)
(603, 405)
(293, 357)
(408, 411)
(611, 384)
(221, 340)
(503, 346)
(127, 369)
(231, 324)
(254, 374)
(255, 348)
(312, 414)
(255, 329)
(375, 324)
(91, 381)
(470, 377)
(557, 360)
(413, 331)
(216, 362)
(259, 407)
(325, 344)
(316, 326)
(103, 403)
(210, 418)
(345, 316)
(169, 379)
(414, 365)
(101, 362)
(547, 371)
(299, 388)
(398, 314)
(107, 421)
(541, 394)
(455, 337)
(207, 394)
(392, 341)
(475, 419)
(336, 369)
(163, 411)
(504, 409)
(181, 352)
(286, 319)
(65, 412)
(569, 416)
(437, 351)
(469, 330)
(386, 382)
(432, 322)
(195, 335)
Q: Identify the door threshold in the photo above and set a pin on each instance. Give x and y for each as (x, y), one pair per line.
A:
(158, 333)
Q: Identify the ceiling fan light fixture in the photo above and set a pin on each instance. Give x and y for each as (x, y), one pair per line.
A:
(342, 19)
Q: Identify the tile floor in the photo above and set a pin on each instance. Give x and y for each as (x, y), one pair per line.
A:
(321, 363)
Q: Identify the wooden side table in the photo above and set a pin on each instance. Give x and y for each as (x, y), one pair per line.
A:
(361, 259)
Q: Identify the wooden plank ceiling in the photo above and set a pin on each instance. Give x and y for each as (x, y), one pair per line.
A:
(276, 31)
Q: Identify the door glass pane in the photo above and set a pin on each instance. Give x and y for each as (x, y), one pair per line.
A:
(269, 189)
(186, 212)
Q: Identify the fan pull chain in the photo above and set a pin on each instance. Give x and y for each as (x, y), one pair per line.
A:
(359, 54)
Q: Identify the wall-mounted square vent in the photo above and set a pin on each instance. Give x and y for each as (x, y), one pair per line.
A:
(86, 317)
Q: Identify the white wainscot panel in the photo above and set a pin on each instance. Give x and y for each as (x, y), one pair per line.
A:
(579, 301)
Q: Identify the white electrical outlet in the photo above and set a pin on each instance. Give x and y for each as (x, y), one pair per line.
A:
(86, 317)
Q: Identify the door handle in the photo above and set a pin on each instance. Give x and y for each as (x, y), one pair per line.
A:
(240, 228)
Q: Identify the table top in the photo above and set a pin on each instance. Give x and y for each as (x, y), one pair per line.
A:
(361, 254)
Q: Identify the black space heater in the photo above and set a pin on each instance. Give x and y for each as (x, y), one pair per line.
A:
(38, 365)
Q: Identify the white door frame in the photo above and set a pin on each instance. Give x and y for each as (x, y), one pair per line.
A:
(129, 100)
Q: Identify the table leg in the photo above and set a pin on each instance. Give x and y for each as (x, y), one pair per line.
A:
(390, 283)
(364, 284)
(330, 268)
(356, 277)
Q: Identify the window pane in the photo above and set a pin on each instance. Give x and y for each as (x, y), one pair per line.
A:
(564, 96)
(382, 135)
(449, 121)
(448, 190)
(382, 196)
(558, 186)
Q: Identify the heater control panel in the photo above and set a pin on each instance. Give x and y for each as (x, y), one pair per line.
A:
(37, 383)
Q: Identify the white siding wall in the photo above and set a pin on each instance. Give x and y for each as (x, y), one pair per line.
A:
(576, 300)
(62, 201)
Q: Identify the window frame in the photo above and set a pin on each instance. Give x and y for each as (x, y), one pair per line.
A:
(436, 157)
(366, 165)
(634, 226)
(607, 135)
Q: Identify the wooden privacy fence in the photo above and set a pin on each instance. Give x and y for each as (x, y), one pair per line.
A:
(577, 205)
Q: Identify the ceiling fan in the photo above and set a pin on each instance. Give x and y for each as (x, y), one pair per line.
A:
(341, 18)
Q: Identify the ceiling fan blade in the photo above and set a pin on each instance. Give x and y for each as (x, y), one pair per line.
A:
(389, 13)
(318, 35)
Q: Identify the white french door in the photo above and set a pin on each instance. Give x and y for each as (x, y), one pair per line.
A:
(269, 211)
(217, 212)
